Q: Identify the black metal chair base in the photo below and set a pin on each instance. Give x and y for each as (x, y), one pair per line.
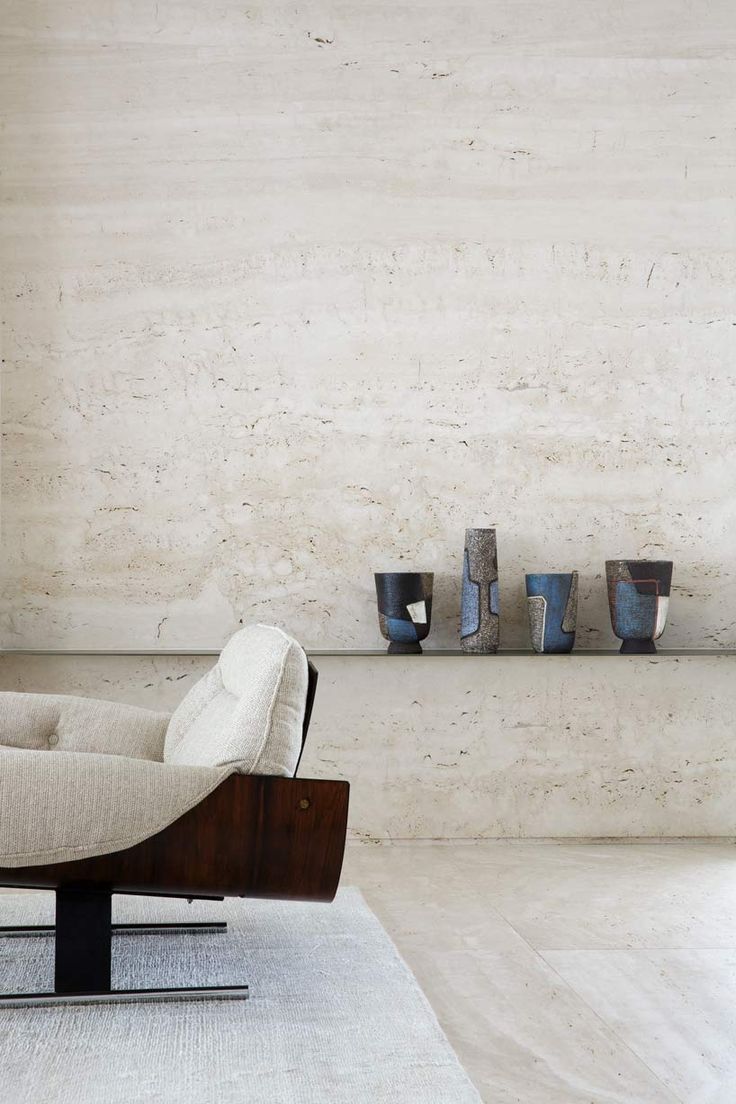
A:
(125, 996)
(83, 955)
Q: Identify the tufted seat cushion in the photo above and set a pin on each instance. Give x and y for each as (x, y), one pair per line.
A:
(40, 722)
(80, 777)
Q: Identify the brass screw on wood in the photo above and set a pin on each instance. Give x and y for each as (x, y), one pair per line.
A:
(304, 803)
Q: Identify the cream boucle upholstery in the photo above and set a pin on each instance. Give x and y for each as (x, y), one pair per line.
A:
(69, 806)
(247, 712)
(42, 721)
(80, 777)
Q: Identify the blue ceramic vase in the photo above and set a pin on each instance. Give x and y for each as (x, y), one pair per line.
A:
(552, 602)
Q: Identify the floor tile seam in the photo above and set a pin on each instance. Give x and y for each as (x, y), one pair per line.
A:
(609, 1030)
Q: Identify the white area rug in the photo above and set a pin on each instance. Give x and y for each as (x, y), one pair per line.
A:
(334, 1013)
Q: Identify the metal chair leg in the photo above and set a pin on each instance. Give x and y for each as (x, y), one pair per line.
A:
(82, 964)
(204, 927)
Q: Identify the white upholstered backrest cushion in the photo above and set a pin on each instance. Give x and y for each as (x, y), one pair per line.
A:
(248, 711)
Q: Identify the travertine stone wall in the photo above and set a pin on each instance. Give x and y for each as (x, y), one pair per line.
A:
(293, 293)
(475, 747)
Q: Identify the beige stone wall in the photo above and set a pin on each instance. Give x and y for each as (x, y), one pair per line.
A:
(478, 747)
(293, 294)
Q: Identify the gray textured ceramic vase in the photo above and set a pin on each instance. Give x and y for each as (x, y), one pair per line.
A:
(479, 615)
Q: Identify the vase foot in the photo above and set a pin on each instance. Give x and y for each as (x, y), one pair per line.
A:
(638, 647)
(397, 647)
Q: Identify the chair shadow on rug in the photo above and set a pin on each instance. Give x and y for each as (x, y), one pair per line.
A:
(207, 802)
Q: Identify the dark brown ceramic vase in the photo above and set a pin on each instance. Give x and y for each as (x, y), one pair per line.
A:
(638, 599)
(404, 609)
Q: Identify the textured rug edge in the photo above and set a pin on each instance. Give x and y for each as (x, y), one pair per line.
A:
(446, 1057)
(409, 974)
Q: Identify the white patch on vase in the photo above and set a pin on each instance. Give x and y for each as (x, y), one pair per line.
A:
(418, 612)
(662, 607)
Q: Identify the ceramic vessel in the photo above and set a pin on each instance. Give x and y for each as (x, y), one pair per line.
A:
(404, 608)
(552, 602)
(479, 615)
(638, 597)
